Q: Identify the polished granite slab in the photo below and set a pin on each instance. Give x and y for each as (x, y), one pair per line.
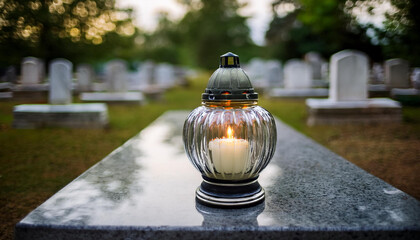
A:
(145, 189)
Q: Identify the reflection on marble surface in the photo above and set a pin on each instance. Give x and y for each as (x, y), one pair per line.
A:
(149, 181)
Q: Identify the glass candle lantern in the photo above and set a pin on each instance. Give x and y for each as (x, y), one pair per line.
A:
(229, 139)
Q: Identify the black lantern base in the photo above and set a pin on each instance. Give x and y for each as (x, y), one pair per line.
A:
(230, 194)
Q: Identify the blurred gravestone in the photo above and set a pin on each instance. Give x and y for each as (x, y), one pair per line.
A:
(146, 74)
(30, 71)
(297, 82)
(409, 96)
(60, 112)
(274, 74)
(348, 76)
(315, 60)
(165, 75)
(31, 87)
(256, 70)
(397, 73)
(85, 75)
(60, 77)
(297, 74)
(348, 102)
(116, 76)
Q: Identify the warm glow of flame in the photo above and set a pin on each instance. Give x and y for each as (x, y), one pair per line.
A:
(229, 132)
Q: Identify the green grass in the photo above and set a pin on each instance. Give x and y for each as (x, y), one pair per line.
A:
(34, 164)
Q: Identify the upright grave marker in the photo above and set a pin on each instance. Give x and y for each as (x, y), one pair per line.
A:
(298, 82)
(60, 77)
(348, 101)
(397, 73)
(85, 75)
(60, 112)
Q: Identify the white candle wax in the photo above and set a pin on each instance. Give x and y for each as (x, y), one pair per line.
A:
(229, 155)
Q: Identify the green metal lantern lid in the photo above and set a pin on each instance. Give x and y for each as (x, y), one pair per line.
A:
(229, 82)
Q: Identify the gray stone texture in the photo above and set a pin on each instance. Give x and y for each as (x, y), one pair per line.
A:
(397, 73)
(145, 189)
(60, 76)
(93, 115)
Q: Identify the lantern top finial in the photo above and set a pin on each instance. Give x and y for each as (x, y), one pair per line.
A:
(229, 82)
(229, 60)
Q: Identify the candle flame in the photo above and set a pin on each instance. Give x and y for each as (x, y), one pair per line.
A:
(229, 132)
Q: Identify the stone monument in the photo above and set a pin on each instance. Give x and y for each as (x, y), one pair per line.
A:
(274, 74)
(165, 76)
(409, 96)
(297, 82)
(348, 100)
(397, 73)
(117, 86)
(60, 112)
(31, 87)
(85, 76)
(60, 76)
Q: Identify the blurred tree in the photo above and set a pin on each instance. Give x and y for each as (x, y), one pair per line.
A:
(163, 44)
(326, 26)
(400, 36)
(79, 30)
(211, 28)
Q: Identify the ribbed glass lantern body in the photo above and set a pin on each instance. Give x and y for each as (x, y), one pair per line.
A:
(230, 140)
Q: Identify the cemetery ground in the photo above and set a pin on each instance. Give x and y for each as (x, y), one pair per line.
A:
(36, 163)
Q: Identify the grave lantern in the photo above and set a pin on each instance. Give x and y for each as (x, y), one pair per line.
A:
(230, 139)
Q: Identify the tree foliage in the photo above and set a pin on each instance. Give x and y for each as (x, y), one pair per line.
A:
(211, 28)
(79, 30)
(325, 26)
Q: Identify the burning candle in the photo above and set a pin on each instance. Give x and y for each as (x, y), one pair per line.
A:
(230, 156)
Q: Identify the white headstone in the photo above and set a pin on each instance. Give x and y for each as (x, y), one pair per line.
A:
(116, 76)
(349, 72)
(60, 76)
(274, 73)
(315, 60)
(146, 73)
(297, 74)
(397, 73)
(256, 70)
(165, 75)
(85, 76)
(415, 78)
(31, 71)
